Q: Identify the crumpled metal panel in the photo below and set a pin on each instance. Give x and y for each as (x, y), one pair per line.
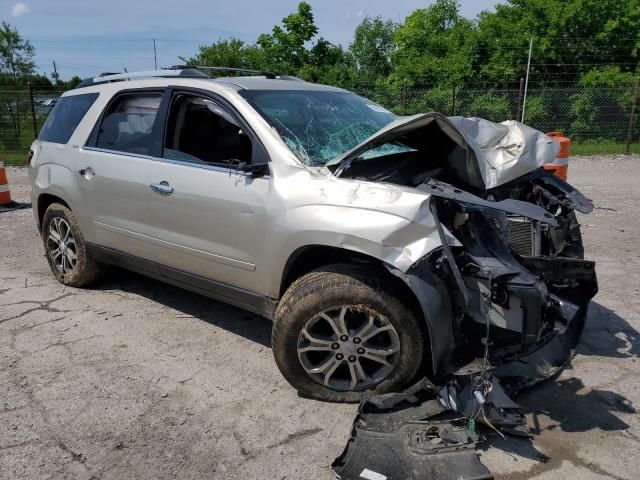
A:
(503, 151)
(506, 150)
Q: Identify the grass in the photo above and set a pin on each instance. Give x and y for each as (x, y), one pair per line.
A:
(14, 150)
(601, 148)
(15, 157)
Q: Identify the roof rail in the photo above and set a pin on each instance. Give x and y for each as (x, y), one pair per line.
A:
(189, 72)
(269, 75)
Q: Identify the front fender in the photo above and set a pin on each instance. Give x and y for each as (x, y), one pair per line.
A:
(393, 239)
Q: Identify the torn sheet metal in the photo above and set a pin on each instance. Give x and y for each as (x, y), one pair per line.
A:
(559, 191)
(501, 151)
(517, 207)
(506, 150)
(395, 437)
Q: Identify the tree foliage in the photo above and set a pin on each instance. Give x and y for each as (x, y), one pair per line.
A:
(285, 46)
(16, 55)
(372, 47)
(584, 42)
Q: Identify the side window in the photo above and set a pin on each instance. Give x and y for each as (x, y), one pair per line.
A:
(201, 131)
(128, 124)
(65, 117)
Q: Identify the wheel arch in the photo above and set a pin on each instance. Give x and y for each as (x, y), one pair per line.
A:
(44, 201)
(311, 257)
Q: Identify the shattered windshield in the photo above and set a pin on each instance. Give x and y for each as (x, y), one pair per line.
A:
(318, 126)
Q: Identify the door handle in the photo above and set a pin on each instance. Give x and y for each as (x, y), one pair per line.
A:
(162, 187)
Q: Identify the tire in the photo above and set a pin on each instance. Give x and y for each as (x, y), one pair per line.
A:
(358, 290)
(79, 273)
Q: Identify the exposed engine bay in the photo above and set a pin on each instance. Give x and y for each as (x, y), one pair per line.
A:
(512, 260)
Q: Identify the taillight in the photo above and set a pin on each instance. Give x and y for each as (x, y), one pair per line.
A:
(29, 157)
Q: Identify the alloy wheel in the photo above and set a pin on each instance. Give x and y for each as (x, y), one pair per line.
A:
(349, 347)
(61, 244)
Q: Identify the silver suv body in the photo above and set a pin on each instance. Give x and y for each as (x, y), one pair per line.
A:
(373, 242)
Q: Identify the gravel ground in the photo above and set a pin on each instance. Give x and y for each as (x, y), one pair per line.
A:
(137, 379)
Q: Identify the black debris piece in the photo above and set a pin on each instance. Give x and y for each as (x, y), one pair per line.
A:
(481, 398)
(402, 435)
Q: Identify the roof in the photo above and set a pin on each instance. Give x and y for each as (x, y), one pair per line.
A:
(278, 83)
(265, 81)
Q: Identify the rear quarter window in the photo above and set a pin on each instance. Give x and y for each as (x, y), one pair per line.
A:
(65, 117)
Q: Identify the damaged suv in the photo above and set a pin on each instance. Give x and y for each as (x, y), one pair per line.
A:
(382, 248)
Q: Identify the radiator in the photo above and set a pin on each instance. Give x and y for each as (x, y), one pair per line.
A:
(521, 235)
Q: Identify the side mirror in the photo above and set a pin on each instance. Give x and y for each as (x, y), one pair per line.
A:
(256, 170)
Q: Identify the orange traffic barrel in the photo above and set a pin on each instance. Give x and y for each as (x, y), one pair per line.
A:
(5, 195)
(560, 164)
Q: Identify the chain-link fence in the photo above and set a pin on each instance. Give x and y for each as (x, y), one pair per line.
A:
(598, 120)
(23, 110)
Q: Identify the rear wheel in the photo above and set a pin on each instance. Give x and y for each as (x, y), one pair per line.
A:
(65, 248)
(338, 333)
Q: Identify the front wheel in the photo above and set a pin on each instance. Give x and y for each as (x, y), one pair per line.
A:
(338, 333)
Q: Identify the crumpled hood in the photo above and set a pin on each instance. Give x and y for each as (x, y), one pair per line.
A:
(502, 151)
(506, 150)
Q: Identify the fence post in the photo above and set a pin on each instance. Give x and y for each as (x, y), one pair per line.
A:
(453, 99)
(632, 117)
(519, 106)
(404, 96)
(33, 111)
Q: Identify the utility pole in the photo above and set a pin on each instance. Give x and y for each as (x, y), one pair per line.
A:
(155, 56)
(520, 95)
(405, 88)
(55, 72)
(526, 82)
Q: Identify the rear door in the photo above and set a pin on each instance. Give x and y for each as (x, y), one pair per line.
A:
(117, 168)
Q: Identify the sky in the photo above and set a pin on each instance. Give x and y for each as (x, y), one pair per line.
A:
(87, 37)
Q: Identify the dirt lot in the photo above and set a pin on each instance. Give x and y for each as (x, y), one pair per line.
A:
(137, 379)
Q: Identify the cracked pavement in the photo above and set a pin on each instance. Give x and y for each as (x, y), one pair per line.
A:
(136, 379)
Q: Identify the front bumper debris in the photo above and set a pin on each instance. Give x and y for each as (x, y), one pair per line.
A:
(397, 436)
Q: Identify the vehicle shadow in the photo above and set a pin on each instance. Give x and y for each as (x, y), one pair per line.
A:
(558, 404)
(232, 319)
(607, 334)
(565, 403)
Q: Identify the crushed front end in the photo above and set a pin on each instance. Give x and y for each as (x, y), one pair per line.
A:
(523, 285)
(509, 281)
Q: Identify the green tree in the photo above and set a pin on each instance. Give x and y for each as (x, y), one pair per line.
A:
(230, 52)
(435, 46)
(570, 38)
(69, 84)
(328, 64)
(16, 54)
(372, 47)
(284, 48)
(16, 66)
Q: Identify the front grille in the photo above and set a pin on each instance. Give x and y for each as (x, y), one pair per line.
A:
(520, 235)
